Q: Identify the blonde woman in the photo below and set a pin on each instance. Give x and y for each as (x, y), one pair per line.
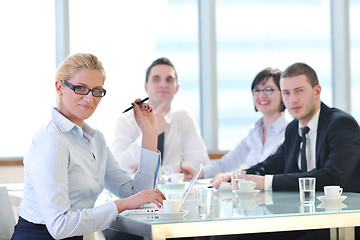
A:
(69, 164)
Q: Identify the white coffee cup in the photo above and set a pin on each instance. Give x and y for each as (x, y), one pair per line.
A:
(177, 178)
(246, 186)
(171, 205)
(332, 191)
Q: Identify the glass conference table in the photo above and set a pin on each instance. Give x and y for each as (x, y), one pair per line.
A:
(242, 214)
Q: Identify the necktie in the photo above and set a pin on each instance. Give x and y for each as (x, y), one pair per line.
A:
(160, 145)
(304, 131)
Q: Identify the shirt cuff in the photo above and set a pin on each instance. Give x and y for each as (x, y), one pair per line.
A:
(268, 198)
(149, 161)
(268, 182)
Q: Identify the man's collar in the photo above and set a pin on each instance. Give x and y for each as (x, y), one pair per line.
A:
(313, 123)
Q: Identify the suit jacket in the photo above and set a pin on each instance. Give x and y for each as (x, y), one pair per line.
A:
(337, 154)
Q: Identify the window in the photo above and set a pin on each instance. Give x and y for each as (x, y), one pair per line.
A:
(128, 35)
(27, 63)
(355, 57)
(253, 35)
(127, 38)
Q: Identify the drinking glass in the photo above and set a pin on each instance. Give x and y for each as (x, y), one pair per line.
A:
(236, 177)
(164, 173)
(204, 198)
(307, 190)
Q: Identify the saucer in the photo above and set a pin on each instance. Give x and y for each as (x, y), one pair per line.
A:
(175, 185)
(327, 200)
(172, 215)
(250, 194)
(332, 207)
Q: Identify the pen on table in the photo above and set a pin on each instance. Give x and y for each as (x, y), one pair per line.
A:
(138, 103)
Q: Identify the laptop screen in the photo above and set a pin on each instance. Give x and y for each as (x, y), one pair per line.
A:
(191, 184)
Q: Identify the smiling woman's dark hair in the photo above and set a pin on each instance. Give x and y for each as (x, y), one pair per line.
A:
(263, 76)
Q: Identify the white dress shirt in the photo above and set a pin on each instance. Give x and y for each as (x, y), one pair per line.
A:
(182, 140)
(251, 149)
(310, 142)
(310, 149)
(66, 168)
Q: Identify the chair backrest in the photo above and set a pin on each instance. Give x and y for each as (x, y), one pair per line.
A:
(7, 219)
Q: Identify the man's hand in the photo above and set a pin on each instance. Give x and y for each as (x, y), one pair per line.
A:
(218, 179)
(259, 180)
(189, 172)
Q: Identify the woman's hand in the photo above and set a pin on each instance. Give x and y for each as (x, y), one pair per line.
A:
(147, 196)
(145, 119)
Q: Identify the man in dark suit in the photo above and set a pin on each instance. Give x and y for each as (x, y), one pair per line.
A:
(332, 144)
(332, 148)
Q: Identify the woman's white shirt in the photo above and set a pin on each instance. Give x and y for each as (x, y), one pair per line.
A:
(66, 169)
(251, 149)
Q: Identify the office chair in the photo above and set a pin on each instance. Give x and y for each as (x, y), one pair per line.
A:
(7, 219)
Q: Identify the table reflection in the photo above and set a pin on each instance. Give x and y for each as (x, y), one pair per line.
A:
(228, 205)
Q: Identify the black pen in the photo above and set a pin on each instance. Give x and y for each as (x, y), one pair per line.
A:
(138, 103)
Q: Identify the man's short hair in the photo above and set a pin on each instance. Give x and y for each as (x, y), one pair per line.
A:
(160, 61)
(299, 68)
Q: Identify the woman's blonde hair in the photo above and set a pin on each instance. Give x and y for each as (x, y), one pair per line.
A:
(72, 64)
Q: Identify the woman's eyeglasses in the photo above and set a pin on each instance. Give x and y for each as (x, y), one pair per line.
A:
(81, 90)
(267, 91)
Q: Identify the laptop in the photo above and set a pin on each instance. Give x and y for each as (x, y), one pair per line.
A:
(151, 208)
(191, 184)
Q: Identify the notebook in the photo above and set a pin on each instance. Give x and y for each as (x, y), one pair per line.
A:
(151, 208)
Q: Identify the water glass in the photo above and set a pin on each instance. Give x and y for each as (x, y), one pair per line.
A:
(236, 177)
(307, 190)
(236, 210)
(164, 173)
(307, 208)
(204, 199)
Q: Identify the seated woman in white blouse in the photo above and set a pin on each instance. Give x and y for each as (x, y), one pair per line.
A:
(263, 138)
(68, 163)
